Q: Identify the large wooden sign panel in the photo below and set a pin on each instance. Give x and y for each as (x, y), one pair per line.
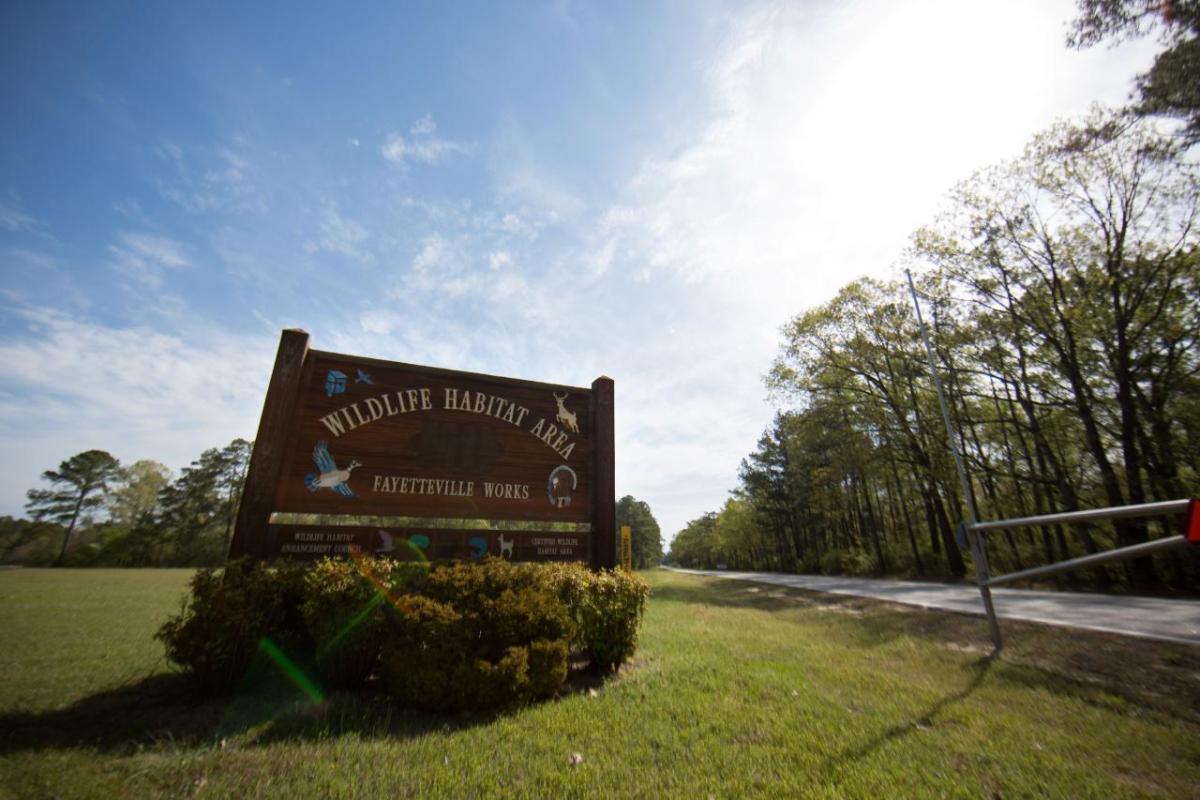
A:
(346, 435)
(372, 438)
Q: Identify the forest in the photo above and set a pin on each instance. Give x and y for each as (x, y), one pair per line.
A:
(1061, 290)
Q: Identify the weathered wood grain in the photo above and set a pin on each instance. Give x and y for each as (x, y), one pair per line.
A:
(270, 445)
(604, 494)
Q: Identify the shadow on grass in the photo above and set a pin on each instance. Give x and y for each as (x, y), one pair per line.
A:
(1101, 669)
(164, 710)
(979, 669)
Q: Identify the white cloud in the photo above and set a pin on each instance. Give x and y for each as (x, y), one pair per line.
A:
(499, 258)
(73, 385)
(231, 169)
(380, 321)
(425, 126)
(210, 179)
(831, 137)
(421, 145)
(14, 220)
(600, 260)
(432, 253)
(33, 258)
(130, 207)
(442, 266)
(146, 257)
(533, 191)
(338, 234)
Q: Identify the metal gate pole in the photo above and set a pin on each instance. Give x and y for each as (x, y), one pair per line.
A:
(978, 551)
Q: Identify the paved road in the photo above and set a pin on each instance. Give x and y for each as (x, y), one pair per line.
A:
(1148, 617)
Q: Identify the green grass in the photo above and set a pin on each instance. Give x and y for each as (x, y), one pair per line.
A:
(736, 691)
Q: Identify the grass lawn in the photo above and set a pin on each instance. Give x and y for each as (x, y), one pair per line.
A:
(737, 690)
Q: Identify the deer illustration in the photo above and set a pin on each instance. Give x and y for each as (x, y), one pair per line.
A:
(567, 418)
(506, 546)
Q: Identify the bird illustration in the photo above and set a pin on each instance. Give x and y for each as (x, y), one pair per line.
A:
(363, 377)
(329, 477)
(419, 546)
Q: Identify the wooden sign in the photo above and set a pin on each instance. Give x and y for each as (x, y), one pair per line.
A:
(428, 544)
(346, 435)
(626, 548)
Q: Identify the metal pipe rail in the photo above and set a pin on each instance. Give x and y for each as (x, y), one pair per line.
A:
(1190, 535)
(1113, 512)
(1132, 551)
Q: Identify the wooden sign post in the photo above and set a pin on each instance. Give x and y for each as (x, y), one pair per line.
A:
(344, 435)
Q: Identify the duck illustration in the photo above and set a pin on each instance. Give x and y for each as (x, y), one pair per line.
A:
(329, 477)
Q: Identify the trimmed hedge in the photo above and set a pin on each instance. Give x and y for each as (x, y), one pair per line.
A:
(477, 636)
(221, 627)
(457, 636)
(342, 609)
(607, 609)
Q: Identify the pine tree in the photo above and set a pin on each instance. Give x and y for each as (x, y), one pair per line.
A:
(79, 484)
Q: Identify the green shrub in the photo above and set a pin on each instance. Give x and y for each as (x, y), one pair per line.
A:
(478, 635)
(342, 611)
(610, 617)
(853, 561)
(607, 609)
(221, 627)
(453, 637)
(860, 562)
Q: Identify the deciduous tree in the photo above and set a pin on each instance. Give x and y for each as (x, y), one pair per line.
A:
(1172, 84)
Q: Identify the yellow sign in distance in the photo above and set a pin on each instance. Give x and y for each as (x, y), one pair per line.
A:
(626, 548)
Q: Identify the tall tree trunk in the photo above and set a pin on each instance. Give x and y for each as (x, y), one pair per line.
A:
(62, 554)
(898, 501)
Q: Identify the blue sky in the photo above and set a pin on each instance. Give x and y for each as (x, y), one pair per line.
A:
(553, 191)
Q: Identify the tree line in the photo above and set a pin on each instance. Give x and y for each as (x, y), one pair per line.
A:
(1062, 294)
(96, 512)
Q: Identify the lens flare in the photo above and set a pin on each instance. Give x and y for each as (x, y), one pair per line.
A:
(354, 622)
(365, 568)
(419, 544)
(289, 668)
